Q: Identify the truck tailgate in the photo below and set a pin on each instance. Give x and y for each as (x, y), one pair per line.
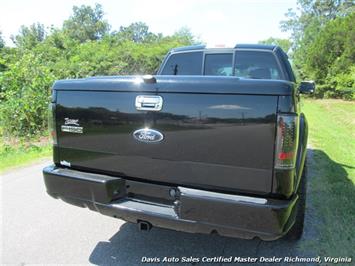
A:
(218, 141)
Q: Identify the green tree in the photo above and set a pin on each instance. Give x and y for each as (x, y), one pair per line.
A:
(331, 58)
(137, 32)
(79, 49)
(185, 34)
(2, 42)
(86, 23)
(29, 37)
(306, 23)
(322, 44)
(25, 94)
(285, 44)
(313, 14)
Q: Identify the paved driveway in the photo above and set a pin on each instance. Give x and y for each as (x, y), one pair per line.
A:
(39, 229)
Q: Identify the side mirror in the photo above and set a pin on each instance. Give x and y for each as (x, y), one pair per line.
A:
(307, 87)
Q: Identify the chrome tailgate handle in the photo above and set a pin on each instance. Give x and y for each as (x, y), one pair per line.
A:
(149, 102)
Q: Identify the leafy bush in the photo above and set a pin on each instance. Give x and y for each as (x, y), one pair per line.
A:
(329, 92)
(28, 71)
(25, 83)
(323, 35)
(339, 86)
(25, 94)
(344, 84)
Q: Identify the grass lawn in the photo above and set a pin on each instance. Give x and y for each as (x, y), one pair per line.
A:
(20, 154)
(332, 175)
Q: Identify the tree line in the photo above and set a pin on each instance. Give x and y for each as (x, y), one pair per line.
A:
(321, 48)
(322, 45)
(84, 46)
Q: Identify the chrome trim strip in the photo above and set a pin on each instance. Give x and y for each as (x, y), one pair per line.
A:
(215, 195)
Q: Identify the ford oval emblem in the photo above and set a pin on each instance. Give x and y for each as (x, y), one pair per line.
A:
(148, 135)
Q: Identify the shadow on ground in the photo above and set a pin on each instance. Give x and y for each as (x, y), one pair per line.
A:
(128, 246)
(330, 206)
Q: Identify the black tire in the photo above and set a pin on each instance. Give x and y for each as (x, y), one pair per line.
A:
(296, 231)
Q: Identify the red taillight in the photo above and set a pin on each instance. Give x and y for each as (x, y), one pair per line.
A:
(286, 141)
(285, 155)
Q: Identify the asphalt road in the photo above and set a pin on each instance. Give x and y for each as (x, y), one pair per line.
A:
(37, 229)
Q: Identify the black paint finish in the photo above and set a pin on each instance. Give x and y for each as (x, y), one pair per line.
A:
(189, 210)
(179, 84)
(212, 141)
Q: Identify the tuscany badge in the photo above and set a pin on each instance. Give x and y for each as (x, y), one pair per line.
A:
(71, 126)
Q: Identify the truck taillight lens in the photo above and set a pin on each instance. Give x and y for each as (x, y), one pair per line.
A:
(286, 141)
(51, 123)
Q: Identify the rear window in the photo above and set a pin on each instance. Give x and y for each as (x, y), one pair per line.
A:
(256, 65)
(248, 64)
(184, 64)
(218, 65)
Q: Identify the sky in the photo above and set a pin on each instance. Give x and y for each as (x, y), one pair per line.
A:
(213, 21)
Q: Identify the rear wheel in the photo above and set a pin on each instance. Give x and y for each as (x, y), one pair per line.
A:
(296, 231)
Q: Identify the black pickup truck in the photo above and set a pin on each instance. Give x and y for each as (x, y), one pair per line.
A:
(214, 143)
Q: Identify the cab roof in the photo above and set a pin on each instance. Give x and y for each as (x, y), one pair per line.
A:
(241, 46)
